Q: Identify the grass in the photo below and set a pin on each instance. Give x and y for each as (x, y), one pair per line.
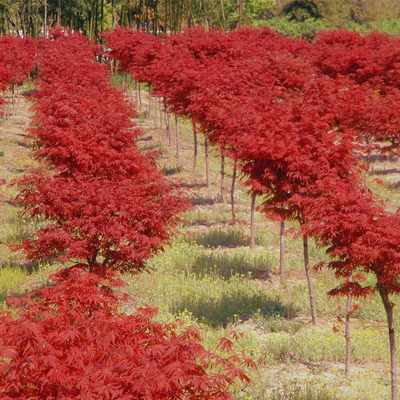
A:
(214, 238)
(227, 263)
(295, 391)
(208, 297)
(217, 302)
(12, 277)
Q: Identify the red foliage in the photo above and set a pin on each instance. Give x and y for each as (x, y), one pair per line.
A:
(68, 341)
(371, 60)
(17, 59)
(104, 200)
(271, 104)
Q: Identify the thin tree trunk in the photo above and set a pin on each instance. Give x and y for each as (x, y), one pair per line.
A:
(233, 191)
(149, 111)
(282, 252)
(45, 18)
(222, 178)
(167, 123)
(252, 225)
(140, 95)
(13, 99)
(207, 164)
(155, 111)
(195, 151)
(7, 105)
(392, 337)
(347, 332)
(161, 117)
(223, 14)
(59, 13)
(309, 281)
(96, 18)
(177, 137)
(367, 171)
(112, 14)
(102, 16)
(136, 95)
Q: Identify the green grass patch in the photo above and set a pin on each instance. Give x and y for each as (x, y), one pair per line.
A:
(219, 237)
(215, 301)
(12, 277)
(227, 263)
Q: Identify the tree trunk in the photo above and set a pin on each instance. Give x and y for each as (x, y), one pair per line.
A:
(392, 338)
(282, 252)
(161, 116)
(167, 123)
(223, 14)
(155, 111)
(140, 95)
(195, 151)
(366, 175)
(45, 18)
(368, 161)
(102, 16)
(222, 178)
(96, 20)
(207, 164)
(23, 23)
(233, 191)
(149, 110)
(177, 137)
(347, 332)
(309, 281)
(59, 13)
(252, 225)
(112, 14)
(13, 99)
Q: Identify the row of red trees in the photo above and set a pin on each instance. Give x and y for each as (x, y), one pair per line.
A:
(296, 118)
(106, 207)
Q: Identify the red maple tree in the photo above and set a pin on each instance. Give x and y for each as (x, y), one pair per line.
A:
(69, 341)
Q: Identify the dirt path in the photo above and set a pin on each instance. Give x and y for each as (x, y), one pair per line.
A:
(15, 158)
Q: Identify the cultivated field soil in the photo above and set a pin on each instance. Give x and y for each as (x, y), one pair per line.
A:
(209, 277)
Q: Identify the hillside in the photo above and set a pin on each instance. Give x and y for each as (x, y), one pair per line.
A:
(298, 18)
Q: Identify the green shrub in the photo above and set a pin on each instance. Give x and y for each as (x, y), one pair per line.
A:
(297, 29)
